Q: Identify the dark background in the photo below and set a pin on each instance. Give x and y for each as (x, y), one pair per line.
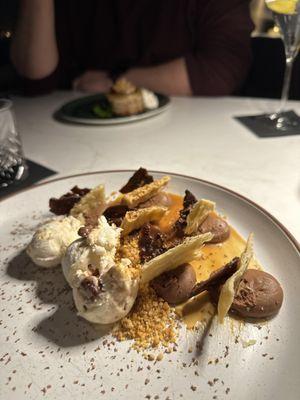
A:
(264, 80)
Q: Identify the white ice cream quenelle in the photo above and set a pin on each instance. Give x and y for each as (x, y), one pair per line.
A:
(103, 289)
(50, 241)
(116, 296)
(150, 100)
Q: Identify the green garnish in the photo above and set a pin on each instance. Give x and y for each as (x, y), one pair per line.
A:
(102, 111)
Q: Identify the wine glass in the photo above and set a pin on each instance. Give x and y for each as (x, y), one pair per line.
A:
(13, 166)
(287, 16)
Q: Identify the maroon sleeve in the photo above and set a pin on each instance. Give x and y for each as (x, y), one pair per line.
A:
(222, 47)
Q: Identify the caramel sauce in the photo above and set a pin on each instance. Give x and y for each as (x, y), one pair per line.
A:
(214, 256)
(171, 216)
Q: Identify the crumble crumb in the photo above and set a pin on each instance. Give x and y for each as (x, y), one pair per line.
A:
(150, 323)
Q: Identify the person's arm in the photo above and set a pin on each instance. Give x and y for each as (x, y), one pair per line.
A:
(220, 60)
(170, 78)
(222, 56)
(34, 50)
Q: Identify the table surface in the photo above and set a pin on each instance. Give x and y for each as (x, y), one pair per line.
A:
(196, 136)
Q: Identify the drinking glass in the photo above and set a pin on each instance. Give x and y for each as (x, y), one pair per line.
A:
(287, 16)
(13, 167)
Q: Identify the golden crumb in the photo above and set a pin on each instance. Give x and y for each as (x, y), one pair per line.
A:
(150, 323)
(130, 249)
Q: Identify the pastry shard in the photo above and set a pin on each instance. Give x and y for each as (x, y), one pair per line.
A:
(144, 193)
(114, 199)
(230, 286)
(186, 251)
(197, 215)
(136, 219)
(92, 204)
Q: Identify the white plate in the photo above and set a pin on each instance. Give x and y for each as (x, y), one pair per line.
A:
(47, 351)
(80, 111)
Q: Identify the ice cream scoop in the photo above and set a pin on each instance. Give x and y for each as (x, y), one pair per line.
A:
(50, 241)
(175, 286)
(259, 295)
(104, 288)
(106, 299)
(150, 99)
(96, 251)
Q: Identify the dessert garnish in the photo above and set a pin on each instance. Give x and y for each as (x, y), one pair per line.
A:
(140, 178)
(66, 202)
(132, 257)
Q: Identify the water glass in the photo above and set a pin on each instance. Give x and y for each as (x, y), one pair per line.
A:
(13, 167)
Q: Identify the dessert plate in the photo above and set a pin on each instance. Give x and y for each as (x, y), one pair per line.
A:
(81, 111)
(47, 351)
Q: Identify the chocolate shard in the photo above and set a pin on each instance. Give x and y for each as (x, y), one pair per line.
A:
(66, 202)
(152, 242)
(189, 199)
(115, 214)
(216, 278)
(188, 202)
(80, 192)
(139, 178)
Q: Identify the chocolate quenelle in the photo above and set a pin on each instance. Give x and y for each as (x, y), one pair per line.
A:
(175, 286)
(217, 226)
(259, 295)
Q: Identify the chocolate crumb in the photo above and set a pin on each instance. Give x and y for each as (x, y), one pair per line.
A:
(151, 242)
(115, 214)
(140, 178)
(188, 202)
(64, 204)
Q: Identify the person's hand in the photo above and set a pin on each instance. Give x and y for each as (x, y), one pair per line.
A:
(93, 81)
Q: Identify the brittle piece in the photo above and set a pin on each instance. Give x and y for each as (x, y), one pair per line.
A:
(186, 251)
(197, 215)
(136, 219)
(91, 205)
(230, 286)
(145, 192)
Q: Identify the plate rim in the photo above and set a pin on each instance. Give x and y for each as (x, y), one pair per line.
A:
(279, 224)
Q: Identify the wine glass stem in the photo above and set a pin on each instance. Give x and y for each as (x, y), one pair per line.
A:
(286, 84)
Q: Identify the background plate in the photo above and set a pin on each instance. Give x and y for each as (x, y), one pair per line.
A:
(46, 350)
(81, 111)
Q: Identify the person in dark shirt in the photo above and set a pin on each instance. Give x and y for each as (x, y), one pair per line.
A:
(176, 47)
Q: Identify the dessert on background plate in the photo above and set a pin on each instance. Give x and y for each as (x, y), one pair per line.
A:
(147, 260)
(126, 99)
(123, 103)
